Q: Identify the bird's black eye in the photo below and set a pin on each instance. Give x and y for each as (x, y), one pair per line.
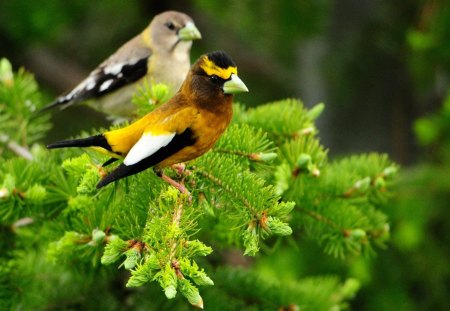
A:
(170, 25)
(215, 79)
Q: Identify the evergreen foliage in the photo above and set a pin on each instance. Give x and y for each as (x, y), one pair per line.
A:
(419, 218)
(267, 182)
(19, 99)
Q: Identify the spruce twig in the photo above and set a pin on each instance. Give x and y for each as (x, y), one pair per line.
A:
(177, 213)
(225, 187)
(321, 218)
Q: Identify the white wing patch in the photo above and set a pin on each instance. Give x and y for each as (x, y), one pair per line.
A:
(146, 146)
(105, 85)
(89, 83)
(114, 69)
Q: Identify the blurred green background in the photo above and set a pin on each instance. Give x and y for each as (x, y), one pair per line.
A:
(381, 67)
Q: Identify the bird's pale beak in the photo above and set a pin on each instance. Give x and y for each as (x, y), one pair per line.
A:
(234, 85)
(189, 32)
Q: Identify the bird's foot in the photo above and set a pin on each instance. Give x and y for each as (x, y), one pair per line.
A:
(174, 183)
(179, 186)
(180, 168)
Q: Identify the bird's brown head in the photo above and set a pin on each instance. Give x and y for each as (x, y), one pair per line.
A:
(172, 30)
(214, 77)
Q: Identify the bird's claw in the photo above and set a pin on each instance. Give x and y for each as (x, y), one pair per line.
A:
(180, 168)
(179, 186)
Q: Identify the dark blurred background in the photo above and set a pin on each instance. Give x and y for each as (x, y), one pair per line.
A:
(376, 64)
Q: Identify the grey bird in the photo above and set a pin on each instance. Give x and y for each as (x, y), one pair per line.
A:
(160, 54)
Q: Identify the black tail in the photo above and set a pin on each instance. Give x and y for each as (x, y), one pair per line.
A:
(49, 106)
(62, 102)
(110, 161)
(124, 170)
(93, 141)
(120, 172)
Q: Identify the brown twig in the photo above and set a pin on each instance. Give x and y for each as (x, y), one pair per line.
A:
(21, 151)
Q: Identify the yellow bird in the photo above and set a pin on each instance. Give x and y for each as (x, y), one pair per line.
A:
(160, 54)
(180, 130)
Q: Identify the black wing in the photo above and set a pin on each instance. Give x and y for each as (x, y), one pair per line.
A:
(178, 142)
(102, 81)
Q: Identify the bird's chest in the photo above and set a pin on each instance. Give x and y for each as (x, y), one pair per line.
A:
(170, 69)
(209, 127)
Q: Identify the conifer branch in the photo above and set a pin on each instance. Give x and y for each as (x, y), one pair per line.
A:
(266, 162)
(177, 213)
(235, 152)
(320, 218)
(227, 188)
(253, 156)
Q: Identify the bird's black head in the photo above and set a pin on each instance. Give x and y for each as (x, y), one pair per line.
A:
(216, 73)
(221, 59)
(215, 64)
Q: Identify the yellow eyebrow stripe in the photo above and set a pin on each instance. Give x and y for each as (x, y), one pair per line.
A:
(212, 69)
